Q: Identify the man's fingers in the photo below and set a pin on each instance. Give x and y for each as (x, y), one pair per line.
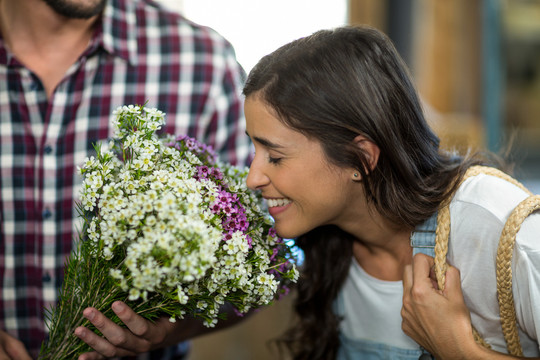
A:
(12, 348)
(115, 337)
(106, 326)
(135, 323)
(103, 347)
(3, 355)
(91, 356)
(139, 336)
(149, 333)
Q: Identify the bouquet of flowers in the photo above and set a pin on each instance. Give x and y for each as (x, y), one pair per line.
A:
(167, 229)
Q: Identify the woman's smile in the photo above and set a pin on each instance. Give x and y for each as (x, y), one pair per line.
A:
(276, 206)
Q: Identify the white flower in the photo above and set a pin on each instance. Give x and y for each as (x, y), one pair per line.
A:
(182, 297)
(157, 217)
(134, 294)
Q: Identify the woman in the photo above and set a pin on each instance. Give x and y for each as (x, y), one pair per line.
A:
(350, 168)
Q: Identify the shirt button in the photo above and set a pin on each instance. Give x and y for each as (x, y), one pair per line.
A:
(48, 149)
(46, 277)
(34, 86)
(46, 213)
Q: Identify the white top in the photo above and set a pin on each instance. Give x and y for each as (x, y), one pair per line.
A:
(478, 212)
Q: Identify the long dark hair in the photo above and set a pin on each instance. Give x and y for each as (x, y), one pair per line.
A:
(333, 86)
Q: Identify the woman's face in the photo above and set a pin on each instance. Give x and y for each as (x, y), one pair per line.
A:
(303, 190)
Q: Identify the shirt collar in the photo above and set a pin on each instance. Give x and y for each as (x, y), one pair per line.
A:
(115, 32)
(119, 34)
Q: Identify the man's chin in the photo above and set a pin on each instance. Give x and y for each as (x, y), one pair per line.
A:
(77, 9)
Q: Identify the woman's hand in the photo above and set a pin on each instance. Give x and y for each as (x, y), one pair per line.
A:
(140, 336)
(12, 348)
(436, 319)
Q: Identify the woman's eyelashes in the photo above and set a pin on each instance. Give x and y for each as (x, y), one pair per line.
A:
(274, 160)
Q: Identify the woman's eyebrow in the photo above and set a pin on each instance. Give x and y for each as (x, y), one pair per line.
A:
(265, 142)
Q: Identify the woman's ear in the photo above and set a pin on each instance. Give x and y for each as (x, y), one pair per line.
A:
(369, 148)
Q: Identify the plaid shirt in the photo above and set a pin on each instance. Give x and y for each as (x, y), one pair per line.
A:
(139, 53)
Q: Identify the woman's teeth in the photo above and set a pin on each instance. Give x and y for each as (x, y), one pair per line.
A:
(277, 202)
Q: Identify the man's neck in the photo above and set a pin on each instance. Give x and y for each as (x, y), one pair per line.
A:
(44, 41)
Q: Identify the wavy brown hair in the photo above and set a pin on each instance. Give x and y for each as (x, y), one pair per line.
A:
(333, 86)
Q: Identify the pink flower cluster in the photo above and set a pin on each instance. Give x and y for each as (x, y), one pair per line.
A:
(227, 206)
(204, 152)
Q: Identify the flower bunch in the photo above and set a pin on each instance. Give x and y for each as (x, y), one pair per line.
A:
(169, 230)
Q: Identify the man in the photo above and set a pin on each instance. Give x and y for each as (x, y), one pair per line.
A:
(65, 65)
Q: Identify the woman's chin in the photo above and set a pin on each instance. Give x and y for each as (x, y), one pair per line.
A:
(287, 233)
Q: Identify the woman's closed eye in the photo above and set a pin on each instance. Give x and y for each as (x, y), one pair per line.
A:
(274, 160)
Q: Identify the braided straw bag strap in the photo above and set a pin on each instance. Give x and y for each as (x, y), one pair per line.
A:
(504, 255)
(504, 271)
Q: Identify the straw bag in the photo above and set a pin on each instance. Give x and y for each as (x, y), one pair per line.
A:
(504, 256)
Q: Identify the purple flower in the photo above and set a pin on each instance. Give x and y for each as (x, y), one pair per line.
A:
(274, 253)
(203, 151)
(238, 313)
(284, 291)
(202, 172)
(216, 174)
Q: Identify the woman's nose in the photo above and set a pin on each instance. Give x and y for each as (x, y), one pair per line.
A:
(256, 176)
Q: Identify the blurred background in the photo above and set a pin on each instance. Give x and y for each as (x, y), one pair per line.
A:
(476, 64)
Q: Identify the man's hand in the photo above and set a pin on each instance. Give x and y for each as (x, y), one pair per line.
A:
(11, 348)
(140, 336)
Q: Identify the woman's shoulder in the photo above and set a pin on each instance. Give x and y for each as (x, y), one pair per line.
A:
(478, 211)
(486, 201)
(489, 193)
